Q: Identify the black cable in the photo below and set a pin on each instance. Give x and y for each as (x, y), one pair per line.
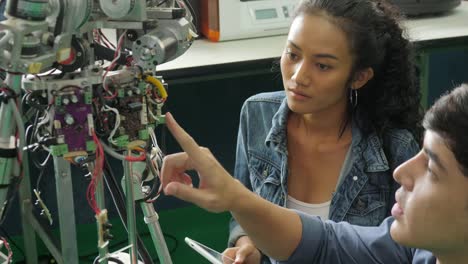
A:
(6, 94)
(39, 178)
(102, 52)
(161, 3)
(58, 24)
(35, 100)
(34, 154)
(10, 197)
(192, 10)
(156, 182)
(109, 174)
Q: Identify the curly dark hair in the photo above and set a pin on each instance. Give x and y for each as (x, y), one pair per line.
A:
(449, 118)
(392, 98)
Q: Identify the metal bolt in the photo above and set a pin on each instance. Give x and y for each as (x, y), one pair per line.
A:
(145, 189)
(69, 119)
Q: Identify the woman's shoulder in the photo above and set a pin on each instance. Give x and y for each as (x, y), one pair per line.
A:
(398, 136)
(269, 97)
(400, 144)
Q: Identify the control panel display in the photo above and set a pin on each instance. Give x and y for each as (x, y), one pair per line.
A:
(269, 13)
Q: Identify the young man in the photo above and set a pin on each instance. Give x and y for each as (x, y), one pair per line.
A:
(429, 223)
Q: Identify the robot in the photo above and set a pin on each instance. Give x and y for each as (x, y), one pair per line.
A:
(86, 96)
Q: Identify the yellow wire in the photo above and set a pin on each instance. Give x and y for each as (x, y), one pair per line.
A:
(138, 149)
(157, 83)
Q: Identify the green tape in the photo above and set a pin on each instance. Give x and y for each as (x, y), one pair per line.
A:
(121, 141)
(88, 96)
(121, 93)
(143, 134)
(59, 150)
(58, 100)
(90, 146)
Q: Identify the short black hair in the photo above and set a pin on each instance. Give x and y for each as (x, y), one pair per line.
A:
(448, 117)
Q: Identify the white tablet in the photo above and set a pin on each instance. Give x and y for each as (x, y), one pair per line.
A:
(210, 254)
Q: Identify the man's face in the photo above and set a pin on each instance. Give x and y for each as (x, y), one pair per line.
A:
(432, 204)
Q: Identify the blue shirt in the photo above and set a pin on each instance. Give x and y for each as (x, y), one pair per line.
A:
(365, 193)
(342, 243)
(2, 9)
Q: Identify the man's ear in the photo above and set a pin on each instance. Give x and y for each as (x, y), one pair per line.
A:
(362, 77)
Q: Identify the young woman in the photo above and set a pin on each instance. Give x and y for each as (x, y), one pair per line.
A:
(348, 116)
(430, 216)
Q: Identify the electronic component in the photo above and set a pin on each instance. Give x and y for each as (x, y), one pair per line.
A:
(132, 109)
(104, 227)
(72, 127)
(79, 106)
(28, 9)
(163, 44)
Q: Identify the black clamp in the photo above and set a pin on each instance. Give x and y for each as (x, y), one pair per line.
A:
(7, 94)
(8, 153)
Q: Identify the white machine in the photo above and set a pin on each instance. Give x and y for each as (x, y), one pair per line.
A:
(236, 19)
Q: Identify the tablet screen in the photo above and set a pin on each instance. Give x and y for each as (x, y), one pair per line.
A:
(212, 255)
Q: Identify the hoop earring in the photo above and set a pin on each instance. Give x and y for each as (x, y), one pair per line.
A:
(353, 97)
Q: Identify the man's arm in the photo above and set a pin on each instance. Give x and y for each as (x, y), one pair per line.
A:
(343, 243)
(275, 230)
(280, 233)
(218, 191)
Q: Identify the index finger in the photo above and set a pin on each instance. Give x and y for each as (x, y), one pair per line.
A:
(187, 143)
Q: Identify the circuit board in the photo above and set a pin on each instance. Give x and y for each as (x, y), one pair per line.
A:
(133, 109)
(73, 120)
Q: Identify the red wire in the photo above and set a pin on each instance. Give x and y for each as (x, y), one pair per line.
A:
(96, 175)
(119, 47)
(142, 157)
(10, 252)
(105, 38)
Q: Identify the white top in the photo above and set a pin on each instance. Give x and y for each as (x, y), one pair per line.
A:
(205, 53)
(321, 209)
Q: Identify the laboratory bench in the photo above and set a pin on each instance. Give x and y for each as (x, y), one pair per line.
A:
(441, 42)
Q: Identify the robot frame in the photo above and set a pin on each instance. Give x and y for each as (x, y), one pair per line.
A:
(86, 96)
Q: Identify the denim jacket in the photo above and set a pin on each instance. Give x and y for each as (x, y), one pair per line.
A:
(366, 190)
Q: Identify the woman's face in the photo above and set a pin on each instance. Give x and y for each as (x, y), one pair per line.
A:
(316, 65)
